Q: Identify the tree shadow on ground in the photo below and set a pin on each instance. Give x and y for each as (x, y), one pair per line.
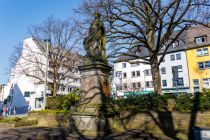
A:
(29, 133)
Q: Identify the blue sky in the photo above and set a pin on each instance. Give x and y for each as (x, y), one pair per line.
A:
(17, 15)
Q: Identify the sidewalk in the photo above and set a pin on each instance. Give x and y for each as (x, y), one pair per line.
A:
(17, 115)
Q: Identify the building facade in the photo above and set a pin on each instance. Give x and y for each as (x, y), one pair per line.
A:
(30, 89)
(199, 58)
(185, 68)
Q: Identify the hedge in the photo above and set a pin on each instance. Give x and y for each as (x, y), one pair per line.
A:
(183, 102)
(63, 101)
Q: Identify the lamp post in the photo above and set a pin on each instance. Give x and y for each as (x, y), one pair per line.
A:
(46, 70)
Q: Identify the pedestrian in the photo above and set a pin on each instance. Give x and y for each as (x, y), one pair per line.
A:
(7, 111)
(29, 108)
(4, 111)
(14, 110)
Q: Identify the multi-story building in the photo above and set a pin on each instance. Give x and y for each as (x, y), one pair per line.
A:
(199, 58)
(27, 80)
(185, 68)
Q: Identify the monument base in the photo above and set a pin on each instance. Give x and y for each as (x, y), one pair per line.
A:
(91, 116)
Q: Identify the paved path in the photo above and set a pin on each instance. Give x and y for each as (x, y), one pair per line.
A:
(26, 132)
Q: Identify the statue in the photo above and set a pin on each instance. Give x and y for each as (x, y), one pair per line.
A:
(95, 42)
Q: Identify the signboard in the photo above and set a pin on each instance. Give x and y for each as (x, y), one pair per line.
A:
(137, 92)
(202, 133)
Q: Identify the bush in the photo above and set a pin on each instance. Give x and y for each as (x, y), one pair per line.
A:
(71, 99)
(182, 102)
(48, 111)
(55, 102)
(63, 101)
(144, 102)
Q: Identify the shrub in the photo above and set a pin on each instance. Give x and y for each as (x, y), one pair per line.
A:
(55, 102)
(71, 99)
(144, 102)
(48, 111)
(184, 102)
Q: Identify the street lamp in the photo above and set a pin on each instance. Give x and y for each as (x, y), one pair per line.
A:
(46, 70)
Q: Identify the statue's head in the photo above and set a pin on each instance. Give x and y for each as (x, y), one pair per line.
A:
(97, 15)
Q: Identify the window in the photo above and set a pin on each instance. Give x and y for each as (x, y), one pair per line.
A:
(125, 86)
(149, 84)
(178, 56)
(202, 52)
(124, 75)
(164, 47)
(134, 85)
(38, 102)
(138, 84)
(118, 74)
(133, 74)
(26, 94)
(206, 82)
(199, 52)
(137, 73)
(200, 65)
(123, 65)
(172, 57)
(200, 39)
(204, 65)
(178, 82)
(63, 88)
(179, 68)
(148, 72)
(205, 51)
(164, 83)
(175, 44)
(134, 64)
(163, 70)
(195, 82)
(207, 64)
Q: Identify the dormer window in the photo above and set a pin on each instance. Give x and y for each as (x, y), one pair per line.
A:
(175, 44)
(200, 39)
(163, 47)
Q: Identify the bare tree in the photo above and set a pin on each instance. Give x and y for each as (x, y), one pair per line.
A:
(136, 25)
(62, 55)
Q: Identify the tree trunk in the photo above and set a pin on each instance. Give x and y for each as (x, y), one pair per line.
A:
(156, 76)
(54, 88)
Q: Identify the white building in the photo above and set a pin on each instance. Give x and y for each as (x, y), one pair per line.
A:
(30, 90)
(130, 76)
(171, 60)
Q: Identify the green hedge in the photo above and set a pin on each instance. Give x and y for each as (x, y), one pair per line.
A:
(48, 111)
(55, 102)
(183, 102)
(63, 101)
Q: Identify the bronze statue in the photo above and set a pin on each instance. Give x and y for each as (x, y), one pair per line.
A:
(95, 42)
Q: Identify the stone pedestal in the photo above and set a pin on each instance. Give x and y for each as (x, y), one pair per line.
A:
(90, 116)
